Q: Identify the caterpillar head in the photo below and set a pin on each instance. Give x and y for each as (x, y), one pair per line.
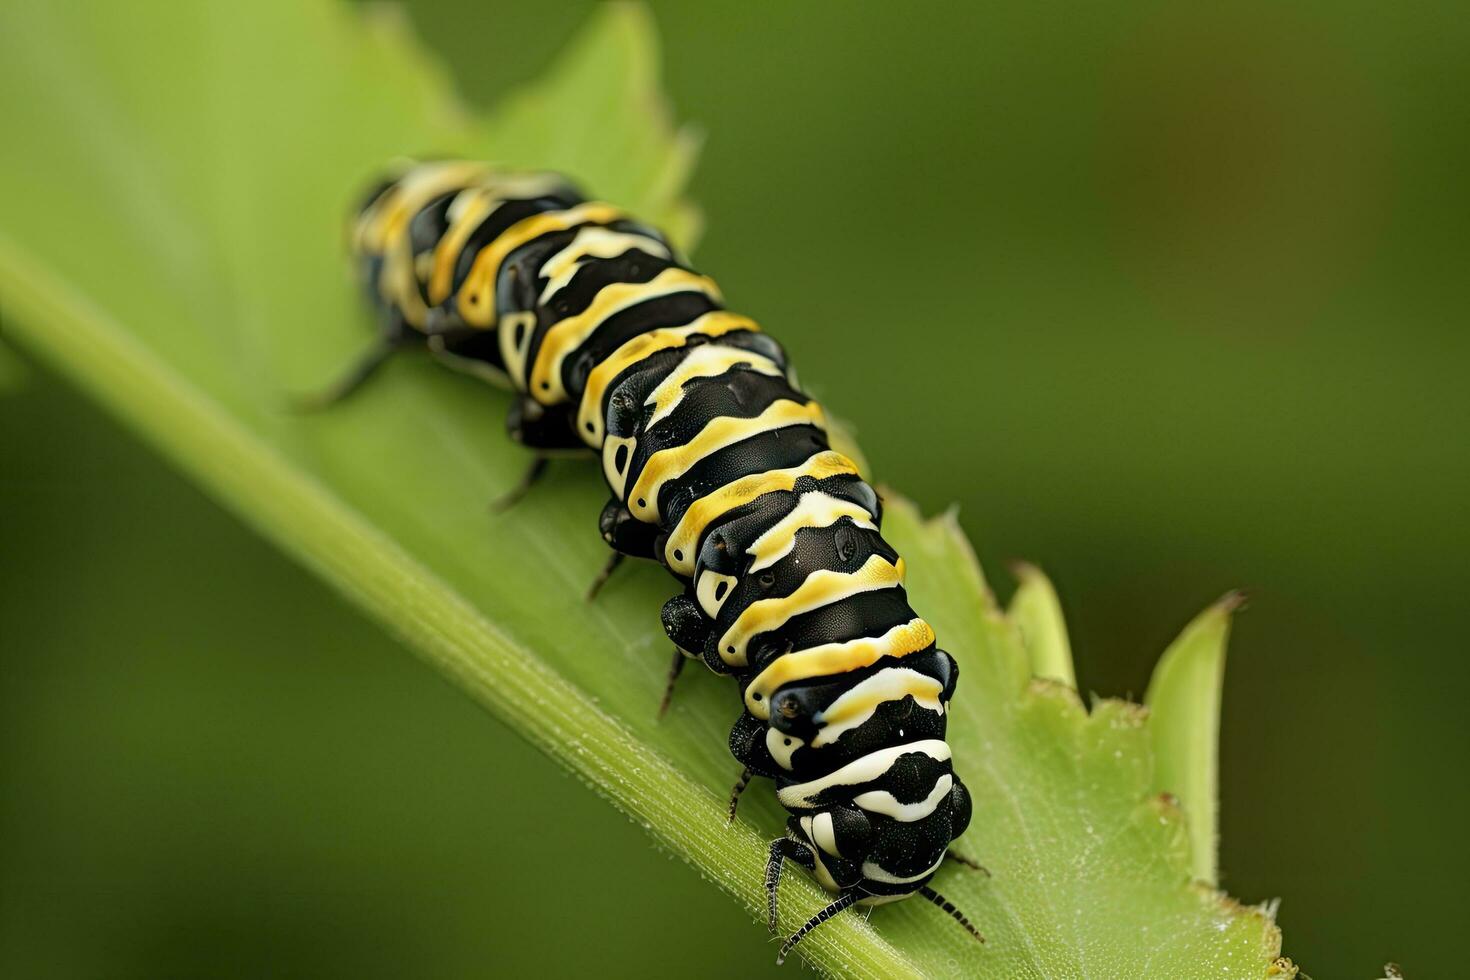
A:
(871, 858)
(877, 855)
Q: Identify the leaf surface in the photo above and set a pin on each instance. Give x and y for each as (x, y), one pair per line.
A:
(172, 227)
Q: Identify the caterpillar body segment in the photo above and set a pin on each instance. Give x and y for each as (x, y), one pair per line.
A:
(720, 468)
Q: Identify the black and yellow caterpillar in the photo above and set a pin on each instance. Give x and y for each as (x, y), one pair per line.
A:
(720, 469)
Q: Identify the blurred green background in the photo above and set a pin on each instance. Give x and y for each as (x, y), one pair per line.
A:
(1171, 301)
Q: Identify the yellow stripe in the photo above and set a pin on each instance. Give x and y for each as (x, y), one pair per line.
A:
(594, 242)
(398, 285)
(679, 552)
(476, 301)
(385, 221)
(567, 335)
(706, 361)
(821, 588)
(813, 510)
(466, 215)
(834, 658)
(475, 209)
(719, 433)
(857, 705)
(589, 416)
(384, 225)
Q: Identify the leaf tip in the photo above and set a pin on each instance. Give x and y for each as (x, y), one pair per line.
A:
(1234, 601)
(1036, 610)
(1024, 571)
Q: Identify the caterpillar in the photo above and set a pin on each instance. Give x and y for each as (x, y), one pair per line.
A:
(720, 468)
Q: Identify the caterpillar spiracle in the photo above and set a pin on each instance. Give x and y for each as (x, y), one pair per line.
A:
(721, 470)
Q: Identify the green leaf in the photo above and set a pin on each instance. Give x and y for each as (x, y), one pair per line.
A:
(171, 242)
(1037, 611)
(1184, 706)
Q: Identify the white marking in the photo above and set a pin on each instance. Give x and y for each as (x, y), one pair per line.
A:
(874, 872)
(821, 588)
(568, 335)
(679, 551)
(823, 876)
(872, 900)
(802, 796)
(617, 479)
(512, 353)
(816, 508)
(524, 186)
(720, 432)
(884, 802)
(592, 242)
(466, 199)
(782, 747)
(824, 835)
(834, 658)
(711, 596)
(636, 350)
(708, 360)
(862, 700)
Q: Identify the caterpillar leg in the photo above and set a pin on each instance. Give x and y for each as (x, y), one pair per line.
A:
(843, 902)
(782, 850)
(538, 427)
(973, 865)
(686, 625)
(465, 354)
(932, 896)
(548, 432)
(627, 536)
(529, 479)
(748, 746)
(736, 791)
(394, 337)
(613, 561)
(675, 669)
